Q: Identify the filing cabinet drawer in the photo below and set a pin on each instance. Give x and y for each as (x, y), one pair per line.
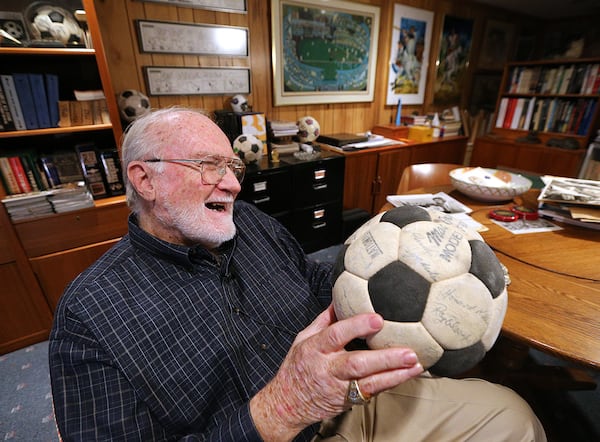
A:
(269, 190)
(318, 181)
(318, 226)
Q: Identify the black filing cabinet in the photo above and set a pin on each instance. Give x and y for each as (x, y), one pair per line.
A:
(304, 195)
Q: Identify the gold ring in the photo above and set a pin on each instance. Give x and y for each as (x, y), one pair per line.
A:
(355, 396)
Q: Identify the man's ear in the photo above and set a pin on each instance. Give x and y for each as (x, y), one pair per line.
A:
(141, 179)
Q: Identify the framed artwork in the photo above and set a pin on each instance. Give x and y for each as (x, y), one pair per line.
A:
(409, 55)
(484, 92)
(14, 30)
(497, 42)
(196, 81)
(188, 38)
(323, 52)
(214, 5)
(452, 62)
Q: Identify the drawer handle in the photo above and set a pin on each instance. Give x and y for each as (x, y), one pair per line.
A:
(260, 186)
(319, 186)
(262, 200)
(319, 213)
(316, 226)
(320, 174)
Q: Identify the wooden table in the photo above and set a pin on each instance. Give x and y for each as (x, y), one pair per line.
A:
(554, 297)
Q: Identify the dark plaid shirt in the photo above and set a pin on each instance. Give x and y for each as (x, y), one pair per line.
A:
(157, 341)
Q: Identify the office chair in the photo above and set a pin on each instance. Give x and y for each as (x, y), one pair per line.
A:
(425, 175)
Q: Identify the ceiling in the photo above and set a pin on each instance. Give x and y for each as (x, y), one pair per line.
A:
(548, 9)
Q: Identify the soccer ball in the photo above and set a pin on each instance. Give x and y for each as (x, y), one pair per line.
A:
(248, 148)
(49, 22)
(239, 103)
(308, 129)
(133, 104)
(438, 285)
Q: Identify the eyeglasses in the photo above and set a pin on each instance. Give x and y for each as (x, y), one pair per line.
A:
(212, 168)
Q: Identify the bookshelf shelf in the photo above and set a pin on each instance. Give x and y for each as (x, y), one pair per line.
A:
(545, 109)
(54, 130)
(69, 52)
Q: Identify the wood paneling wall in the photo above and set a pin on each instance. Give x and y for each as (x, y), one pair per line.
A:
(125, 60)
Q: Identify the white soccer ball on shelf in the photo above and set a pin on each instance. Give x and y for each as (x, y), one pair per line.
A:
(50, 22)
(308, 129)
(248, 148)
(132, 104)
(239, 103)
(439, 287)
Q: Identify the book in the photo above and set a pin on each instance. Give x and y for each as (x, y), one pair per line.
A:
(50, 171)
(52, 94)
(40, 99)
(8, 85)
(64, 114)
(8, 177)
(76, 113)
(32, 172)
(87, 112)
(23, 87)
(502, 112)
(6, 118)
(341, 139)
(92, 169)
(20, 175)
(113, 172)
(67, 165)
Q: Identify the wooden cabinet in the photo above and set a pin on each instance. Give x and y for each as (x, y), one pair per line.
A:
(372, 174)
(555, 103)
(40, 256)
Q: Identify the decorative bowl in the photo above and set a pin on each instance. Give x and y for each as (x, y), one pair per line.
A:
(489, 184)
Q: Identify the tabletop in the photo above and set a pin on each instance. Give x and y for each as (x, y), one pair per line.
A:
(554, 296)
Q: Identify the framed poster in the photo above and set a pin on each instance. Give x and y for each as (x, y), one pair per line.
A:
(196, 81)
(453, 59)
(497, 41)
(214, 5)
(190, 38)
(409, 54)
(323, 52)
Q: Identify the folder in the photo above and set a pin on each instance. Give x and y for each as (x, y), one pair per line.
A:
(40, 99)
(26, 99)
(52, 96)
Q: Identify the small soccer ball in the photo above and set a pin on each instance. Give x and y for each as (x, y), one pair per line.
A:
(308, 129)
(49, 22)
(239, 103)
(132, 104)
(248, 148)
(439, 287)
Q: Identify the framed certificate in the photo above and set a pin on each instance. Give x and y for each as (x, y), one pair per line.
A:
(215, 5)
(196, 81)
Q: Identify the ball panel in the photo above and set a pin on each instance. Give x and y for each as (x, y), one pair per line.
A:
(486, 267)
(362, 229)
(404, 215)
(350, 296)
(454, 362)
(411, 335)
(437, 251)
(372, 251)
(458, 311)
(338, 265)
(446, 218)
(398, 293)
(499, 306)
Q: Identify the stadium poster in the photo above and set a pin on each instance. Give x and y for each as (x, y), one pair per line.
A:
(323, 52)
(409, 55)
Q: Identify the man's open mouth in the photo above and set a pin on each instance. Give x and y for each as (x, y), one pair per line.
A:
(219, 207)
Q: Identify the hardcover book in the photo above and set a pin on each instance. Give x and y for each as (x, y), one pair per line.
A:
(92, 170)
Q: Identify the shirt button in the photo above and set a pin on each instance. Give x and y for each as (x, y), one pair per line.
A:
(236, 310)
(263, 347)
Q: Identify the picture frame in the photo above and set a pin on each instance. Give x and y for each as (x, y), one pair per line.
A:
(169, 80)
(453, 60)
(315, 60)
(236, 6)
(498, 39)
(409, 55)
(191, 38)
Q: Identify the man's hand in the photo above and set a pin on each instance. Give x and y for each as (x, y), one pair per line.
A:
(312, 382)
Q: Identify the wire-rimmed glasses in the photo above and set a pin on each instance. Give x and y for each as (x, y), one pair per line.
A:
(212, 167)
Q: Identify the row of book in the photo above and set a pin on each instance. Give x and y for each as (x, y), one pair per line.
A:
(28, 101)
(583, 79)
(83, 112)
(27, 172)
(560, 115)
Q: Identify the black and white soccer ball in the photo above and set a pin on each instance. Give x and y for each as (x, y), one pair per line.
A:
(248, 148)
(308, 129)
(439, 287)
(239, 103)
(51, 22)
(132, 104)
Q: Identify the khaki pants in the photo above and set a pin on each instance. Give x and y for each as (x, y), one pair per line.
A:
(438, 409)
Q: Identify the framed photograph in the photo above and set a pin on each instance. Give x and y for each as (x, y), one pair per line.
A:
(323, 52)
(189, 38)
(196, 81)
(14, 30)
(409, 55)
(497, 42)
(214, 5)
(484, 92)
(452, 62)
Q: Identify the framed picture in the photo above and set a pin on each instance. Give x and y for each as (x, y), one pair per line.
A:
(409, 55)
(323, 52)
(184, 38)
(455, 47)
(484, 92)
(14, 30)
(214, 5)
(196, 81)
(497, 42)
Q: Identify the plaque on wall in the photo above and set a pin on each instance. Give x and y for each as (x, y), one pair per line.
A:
(196, 81)
(215, 5)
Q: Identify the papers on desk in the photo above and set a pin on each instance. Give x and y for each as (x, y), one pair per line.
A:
(438, 201)
(527, 226)
(373, 141)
